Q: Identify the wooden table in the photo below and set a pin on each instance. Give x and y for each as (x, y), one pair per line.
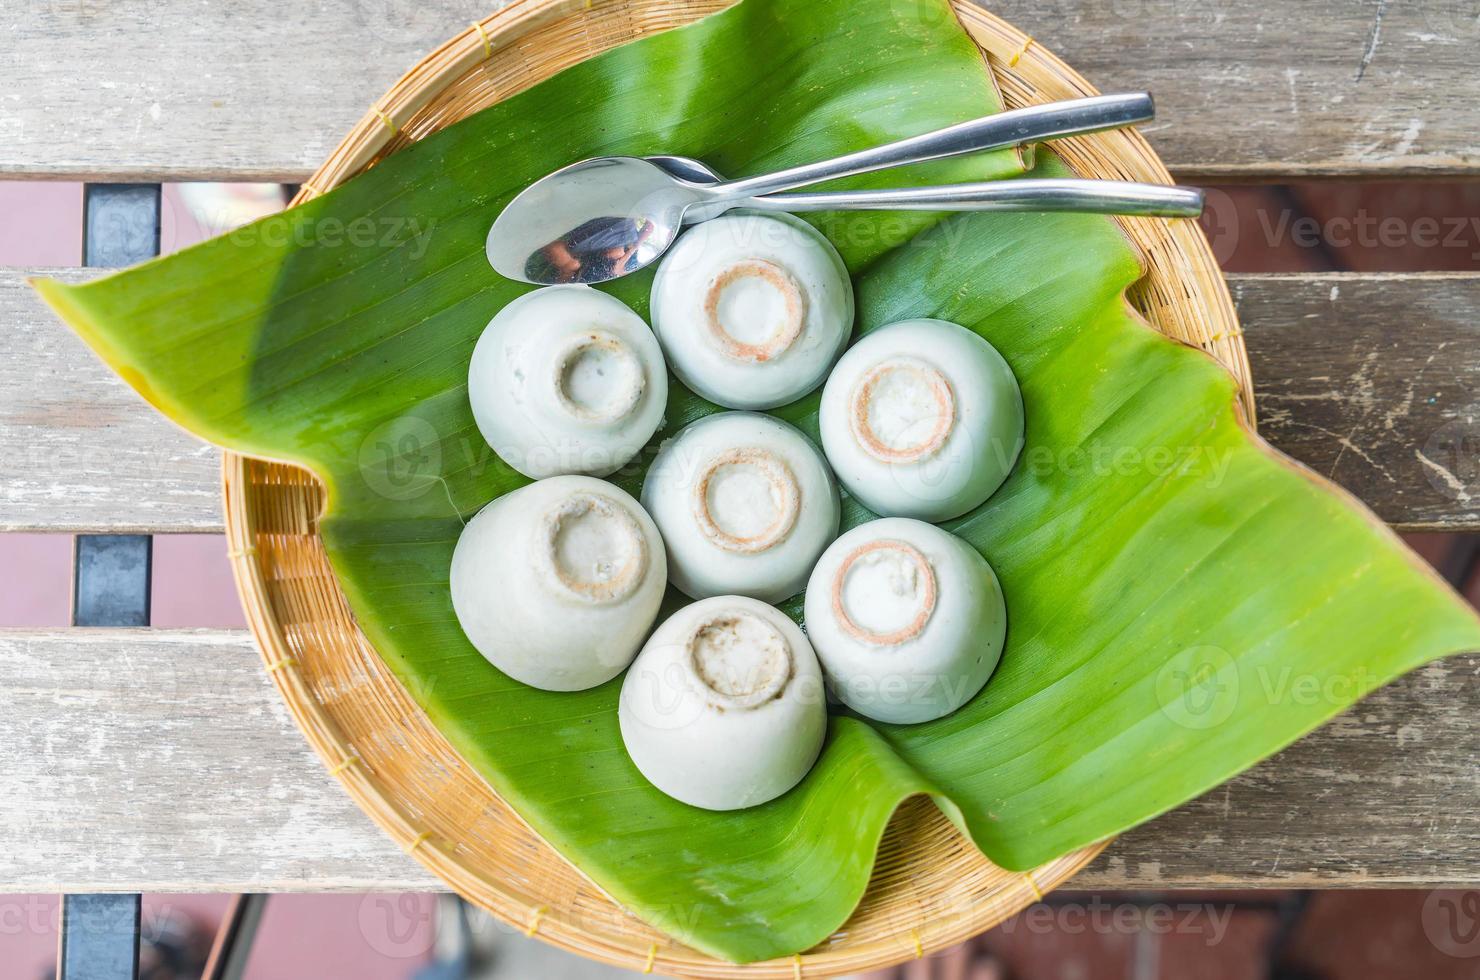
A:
(124, 769)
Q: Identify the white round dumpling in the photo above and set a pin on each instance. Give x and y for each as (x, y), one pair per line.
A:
(745, 504)
(752, 309)
(557, 583)
(907, 619)
(567, 380)
(724, 708)
(922, 418)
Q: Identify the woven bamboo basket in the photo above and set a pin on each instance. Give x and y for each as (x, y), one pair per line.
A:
(930, 888)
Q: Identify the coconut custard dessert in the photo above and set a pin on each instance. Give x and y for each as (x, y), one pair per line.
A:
(907, 619)
(567, 380)
(922, 418)
(724, 708)
(557, 583)
(752, 309)
(745, 503)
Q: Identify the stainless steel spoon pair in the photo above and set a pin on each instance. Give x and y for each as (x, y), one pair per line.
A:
(608, 217)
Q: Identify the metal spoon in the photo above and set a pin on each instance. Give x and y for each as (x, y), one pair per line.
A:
(1077, 195)
(607, 217)
(1050, 194)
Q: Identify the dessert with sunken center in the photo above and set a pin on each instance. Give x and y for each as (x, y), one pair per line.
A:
(557, 583)
(724, 708)
(907, 619)
(567, 380)
(752, 309)
(922, 418)
(745, 503)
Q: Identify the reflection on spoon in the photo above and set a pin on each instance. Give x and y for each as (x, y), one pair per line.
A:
(596, 251)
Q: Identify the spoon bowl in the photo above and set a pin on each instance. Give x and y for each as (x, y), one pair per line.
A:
(563, 228)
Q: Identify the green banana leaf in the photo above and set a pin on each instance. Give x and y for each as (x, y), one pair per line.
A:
(1175, 588)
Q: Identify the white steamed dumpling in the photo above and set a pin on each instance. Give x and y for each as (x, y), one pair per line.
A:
(567, 380)
(922, 418)
(907, 619)
(752, 309)
(557, 583)
(745, 503)
(724, 708)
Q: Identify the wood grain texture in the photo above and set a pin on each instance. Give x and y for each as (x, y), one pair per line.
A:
(255, 90)
(1372, 380)
(163, 760)
(83, 452)
(1386, 795)
(1250, 89)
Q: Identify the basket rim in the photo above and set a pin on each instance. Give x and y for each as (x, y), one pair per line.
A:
(1012, 55)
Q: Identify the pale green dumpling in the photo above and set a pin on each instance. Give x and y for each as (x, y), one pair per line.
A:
(752, 309)
(907, 619)
(567, 380)
(923, 419)
(724, 708)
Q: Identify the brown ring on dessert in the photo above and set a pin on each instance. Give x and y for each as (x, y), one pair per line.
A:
(617, 583)
(633, 380)
(915, 371)
(785, 493)
(778, 279)
(727, 685)
(911, 629)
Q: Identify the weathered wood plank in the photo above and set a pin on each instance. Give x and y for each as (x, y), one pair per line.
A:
(254, 90)
(165, 761)
(1373, 380)
(83, 452)
(1247, 88)
(1386, 795)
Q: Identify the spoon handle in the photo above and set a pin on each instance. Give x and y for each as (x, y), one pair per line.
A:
(1084, 196)
(1015, 128)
